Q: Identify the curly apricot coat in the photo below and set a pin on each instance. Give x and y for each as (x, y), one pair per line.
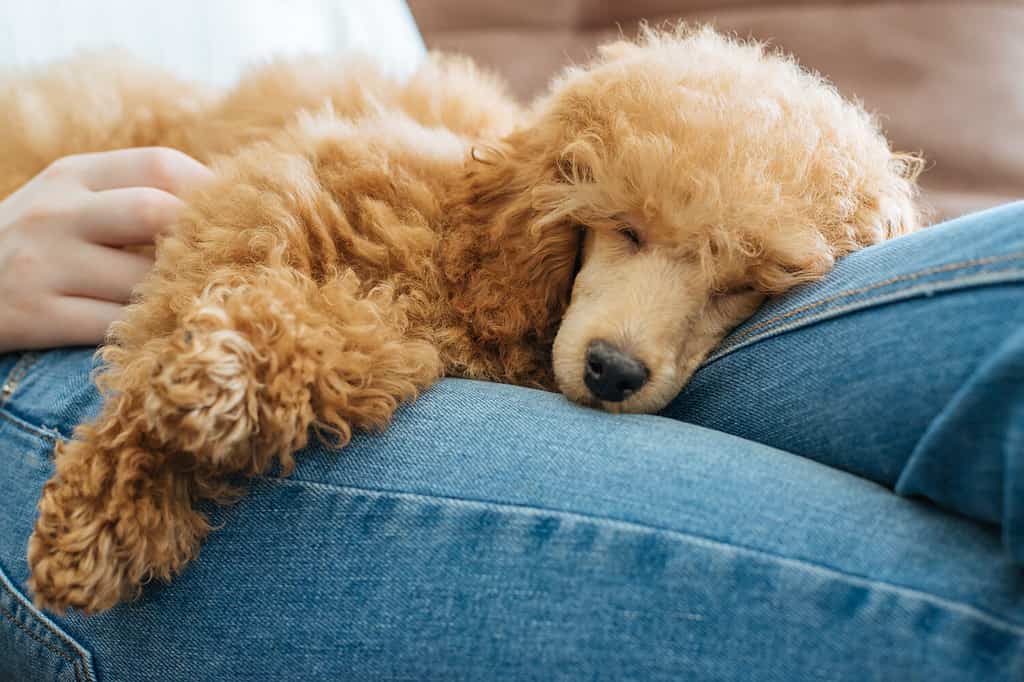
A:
(362, 238)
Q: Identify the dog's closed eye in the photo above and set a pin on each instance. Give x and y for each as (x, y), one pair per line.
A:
(630, 233)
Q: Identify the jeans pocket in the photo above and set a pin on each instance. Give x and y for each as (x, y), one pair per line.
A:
(51, 392)
(33, 647)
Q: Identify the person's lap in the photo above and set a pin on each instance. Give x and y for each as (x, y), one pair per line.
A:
(496, 532)
(906, 367)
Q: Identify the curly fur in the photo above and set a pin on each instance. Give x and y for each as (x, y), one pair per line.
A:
(363, 238)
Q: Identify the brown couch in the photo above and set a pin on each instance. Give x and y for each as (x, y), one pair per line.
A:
(947, 77)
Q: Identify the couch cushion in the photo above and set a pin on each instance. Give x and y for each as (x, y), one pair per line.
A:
(944, 78)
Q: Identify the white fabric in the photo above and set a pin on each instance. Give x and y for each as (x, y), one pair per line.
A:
(210, 40)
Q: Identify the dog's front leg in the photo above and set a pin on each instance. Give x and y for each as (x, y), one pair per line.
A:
(257, 358)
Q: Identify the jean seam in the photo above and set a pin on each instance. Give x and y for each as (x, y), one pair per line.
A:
(77, 665)
(31, 429)
(15, 375)
(48, 645)
(949, 267)
(966, 610)
(950, 286)
(763, 331)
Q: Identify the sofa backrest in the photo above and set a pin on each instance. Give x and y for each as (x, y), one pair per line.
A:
(946, 78)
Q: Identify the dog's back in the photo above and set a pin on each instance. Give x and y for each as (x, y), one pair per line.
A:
(105, 101)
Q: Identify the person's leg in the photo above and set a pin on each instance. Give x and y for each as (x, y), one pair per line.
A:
(905, 366)
(495, 532)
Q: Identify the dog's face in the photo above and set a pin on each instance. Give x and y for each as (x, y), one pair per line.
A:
(643, 314)
(703, 175)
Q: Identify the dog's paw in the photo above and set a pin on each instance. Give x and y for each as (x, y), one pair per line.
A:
(203, 398)
(70, 572)
(108, 524)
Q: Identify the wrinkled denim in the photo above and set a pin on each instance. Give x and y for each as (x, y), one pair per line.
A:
(844, 504)
(905, 367)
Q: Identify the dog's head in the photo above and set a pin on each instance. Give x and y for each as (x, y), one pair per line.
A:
(687, 176)
(702, 174)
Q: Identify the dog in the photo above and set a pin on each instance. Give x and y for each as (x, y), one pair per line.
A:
(363, 238)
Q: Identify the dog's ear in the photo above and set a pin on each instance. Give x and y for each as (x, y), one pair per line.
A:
(886, 206)
(513, 245)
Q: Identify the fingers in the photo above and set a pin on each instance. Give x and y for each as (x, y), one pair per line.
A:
(128, 216)
(100, 272)
(84, 321)
(165, 169)
(63, 280)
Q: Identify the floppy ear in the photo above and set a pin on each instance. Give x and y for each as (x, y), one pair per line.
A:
(512, 248)
(883, 208)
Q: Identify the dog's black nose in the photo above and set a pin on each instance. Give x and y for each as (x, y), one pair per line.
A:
(612, 375)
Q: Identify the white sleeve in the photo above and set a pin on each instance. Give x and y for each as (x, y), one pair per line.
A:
(210, 40)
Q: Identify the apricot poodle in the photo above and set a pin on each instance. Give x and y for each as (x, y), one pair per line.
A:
(363, 238)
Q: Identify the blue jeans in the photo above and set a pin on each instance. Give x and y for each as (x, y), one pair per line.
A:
(494, 532)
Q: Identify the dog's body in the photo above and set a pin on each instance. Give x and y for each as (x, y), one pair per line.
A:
(363, 238)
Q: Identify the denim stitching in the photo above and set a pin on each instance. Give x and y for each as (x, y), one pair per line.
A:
(877, 285)
(10, 616)
(15, 376)
(31, 429)
(988, 278)
(78, 659)
(749, 336)
(834, 312)
(983, 279)
(803, 564)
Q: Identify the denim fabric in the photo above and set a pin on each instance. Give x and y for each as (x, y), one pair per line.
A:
(501, 533)
(905, 366)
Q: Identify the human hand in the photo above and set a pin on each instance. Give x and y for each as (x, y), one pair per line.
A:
(64, 274)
